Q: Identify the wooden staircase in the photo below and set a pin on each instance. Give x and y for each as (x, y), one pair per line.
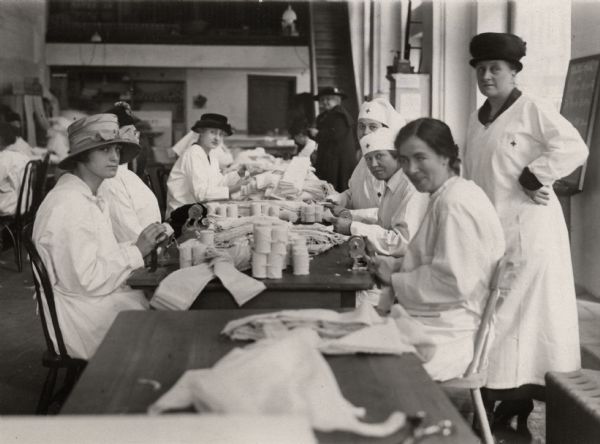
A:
(332, 50)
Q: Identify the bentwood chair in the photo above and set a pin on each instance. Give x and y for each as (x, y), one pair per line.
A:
(31, 194)
(56, 357)
(475, 376)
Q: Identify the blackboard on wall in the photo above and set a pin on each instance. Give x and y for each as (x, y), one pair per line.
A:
(579, 104)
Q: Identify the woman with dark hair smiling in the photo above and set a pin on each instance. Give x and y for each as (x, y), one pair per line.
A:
(442, 283)
(517, 146)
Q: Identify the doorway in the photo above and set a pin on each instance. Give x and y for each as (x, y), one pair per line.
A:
(269, 98)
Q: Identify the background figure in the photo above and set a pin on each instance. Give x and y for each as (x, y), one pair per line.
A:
(336, 152)
(516, 148)
(12, 166)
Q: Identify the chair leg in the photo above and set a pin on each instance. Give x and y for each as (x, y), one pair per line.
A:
(18, 255)
(47, 390)
(482, 416)
(71, 377)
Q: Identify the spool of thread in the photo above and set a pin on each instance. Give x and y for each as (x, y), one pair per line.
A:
(256, 209)
(279, 233)
(275, 265)
(274, 211)
(207, 237)
(262, 238)
(300, 263)
(198, 253)
(185, 255)
(232, 210)
(221, 210)
(259, 265)
(319, 213)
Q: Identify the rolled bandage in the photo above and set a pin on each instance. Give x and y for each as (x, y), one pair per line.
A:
(274, 211)
(211, 207)
(221, 210)
(300, 263)
(259, 265)
(278, 248)
(262, 238)
(256, 209)
(319, 213)
(274, 265)
(207, 237)
(279, 233)
(265, 208)
(185, 255)
(232, 210)
(309, 214)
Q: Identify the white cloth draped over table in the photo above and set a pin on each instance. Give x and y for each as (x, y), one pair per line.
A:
(443, 282)
(196, 177)
(286, 376)
(86, 265)
(399, 216)
(537, 327)
(12, 167)
(133, 206)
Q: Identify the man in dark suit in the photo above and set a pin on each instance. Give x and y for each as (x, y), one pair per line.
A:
(336, 151)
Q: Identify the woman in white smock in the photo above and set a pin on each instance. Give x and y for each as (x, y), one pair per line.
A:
(73, 235)
(517, 146)
(196, 176)
(442, 283)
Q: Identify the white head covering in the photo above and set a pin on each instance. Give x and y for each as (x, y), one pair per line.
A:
(382, 139)
(382, 111)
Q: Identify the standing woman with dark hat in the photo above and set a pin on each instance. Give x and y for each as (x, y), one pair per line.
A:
(517, 146)
(336, 150)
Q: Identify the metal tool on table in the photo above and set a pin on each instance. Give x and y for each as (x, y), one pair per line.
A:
(358, 252)
(418, 431)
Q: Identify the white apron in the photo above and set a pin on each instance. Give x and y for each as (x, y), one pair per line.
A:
(537, 329)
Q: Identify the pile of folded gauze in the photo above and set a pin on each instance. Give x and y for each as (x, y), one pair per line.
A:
(286, 376)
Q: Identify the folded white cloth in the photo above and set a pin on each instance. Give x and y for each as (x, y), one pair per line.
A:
(358, 331)
(287, 376)
(178, 290)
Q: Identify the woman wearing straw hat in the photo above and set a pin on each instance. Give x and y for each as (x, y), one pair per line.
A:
(74, 237)
(517, 146)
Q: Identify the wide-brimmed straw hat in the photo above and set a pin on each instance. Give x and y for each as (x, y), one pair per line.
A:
(213, 120)
(330, 91)
(497, 46)
(96, 131)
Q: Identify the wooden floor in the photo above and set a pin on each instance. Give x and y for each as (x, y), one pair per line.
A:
(22, 345)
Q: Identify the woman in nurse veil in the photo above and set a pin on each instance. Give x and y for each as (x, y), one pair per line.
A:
(516, 148)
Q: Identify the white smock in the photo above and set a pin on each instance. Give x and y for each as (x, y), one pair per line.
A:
(133, 206)
(537, 328)
(20, 146)
(86, 265)
(444, 279)
(363, 194)
(196, 177)
(12, 166)
(399, 216)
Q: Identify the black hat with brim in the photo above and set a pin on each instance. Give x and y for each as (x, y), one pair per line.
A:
(497, 46)
(330, 91)
(212, 120)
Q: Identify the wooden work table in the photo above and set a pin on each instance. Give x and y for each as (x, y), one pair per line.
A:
(161, 346)
(331, 284)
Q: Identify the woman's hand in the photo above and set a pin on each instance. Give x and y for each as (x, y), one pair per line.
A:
(380, 268)
(540, 196)
(150, 237)
(338, 210)
(342, 225)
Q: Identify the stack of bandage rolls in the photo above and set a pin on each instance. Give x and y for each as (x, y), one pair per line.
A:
(270, 250)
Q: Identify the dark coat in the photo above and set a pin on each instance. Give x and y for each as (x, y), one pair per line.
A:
(336, 151)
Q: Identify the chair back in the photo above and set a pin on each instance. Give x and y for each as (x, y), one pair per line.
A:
(163, 175)
(44, 292)
(500, 284)
(32, 191)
